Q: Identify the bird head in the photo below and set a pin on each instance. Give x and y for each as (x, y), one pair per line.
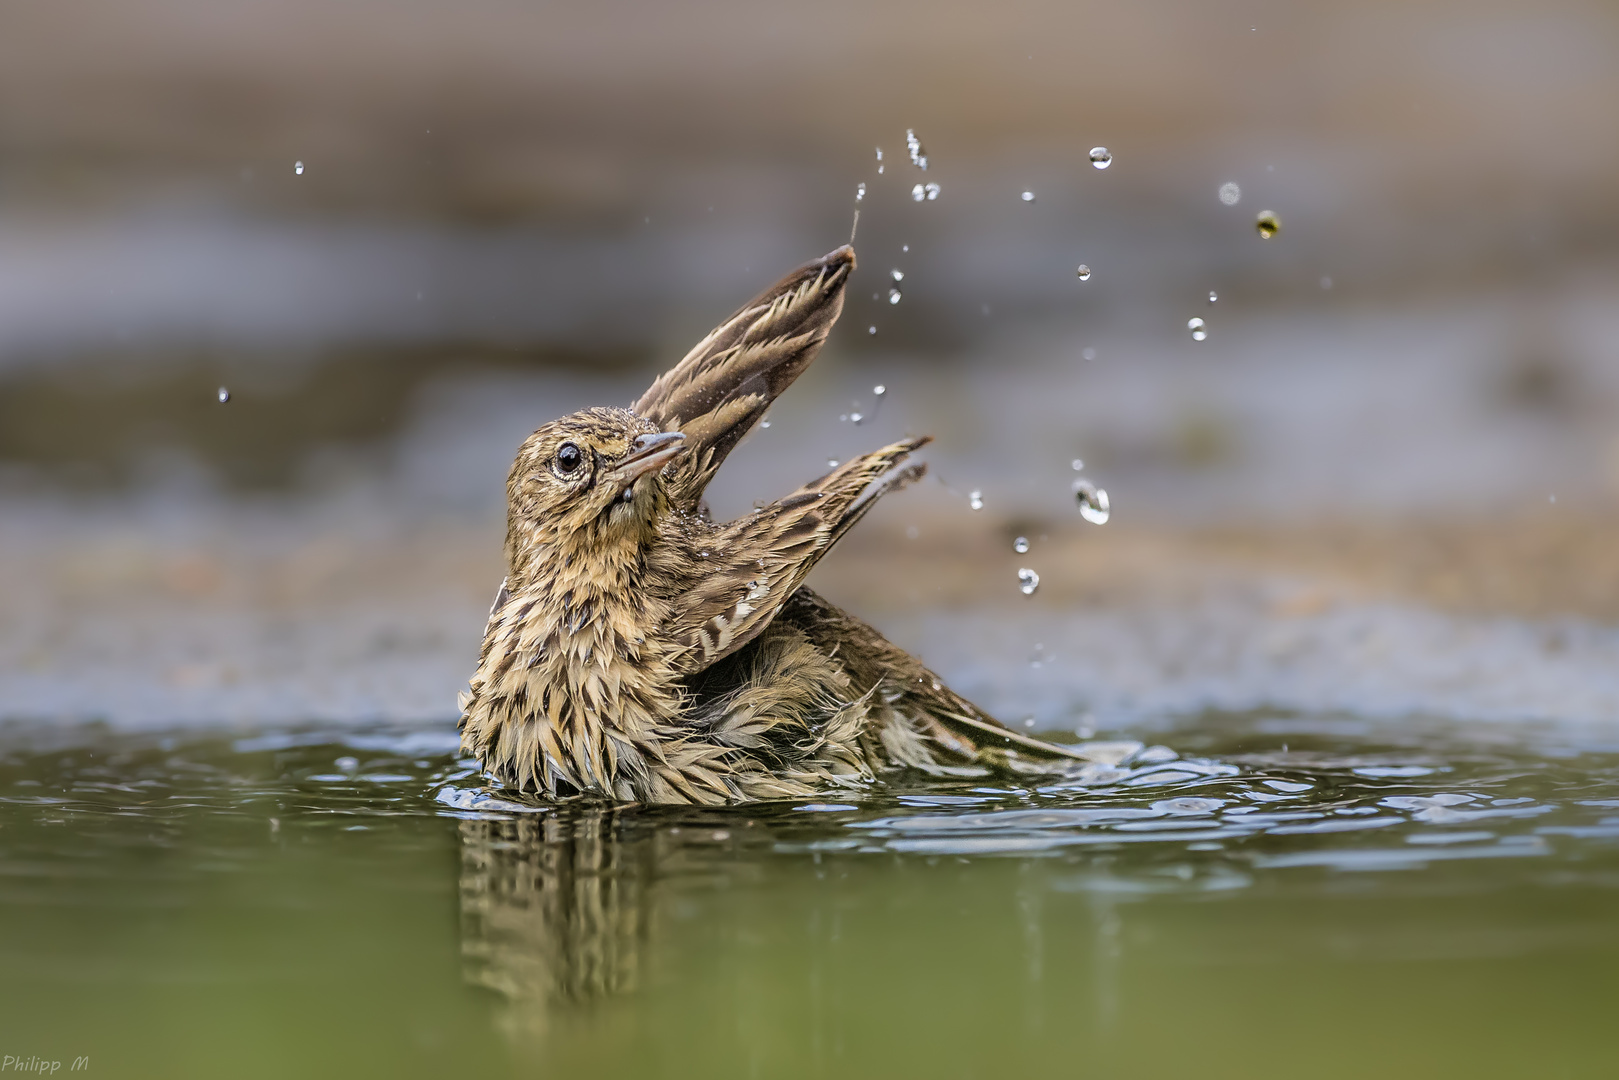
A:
(590, 481)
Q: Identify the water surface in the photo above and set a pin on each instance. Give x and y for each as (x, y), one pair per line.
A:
(1260, 894)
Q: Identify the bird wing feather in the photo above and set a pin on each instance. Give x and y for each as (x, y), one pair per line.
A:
(724, 385)
(757, 561)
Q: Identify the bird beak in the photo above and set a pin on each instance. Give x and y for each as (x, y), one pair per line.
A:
(649, 453)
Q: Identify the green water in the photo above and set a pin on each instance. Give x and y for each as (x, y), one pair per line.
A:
(1288, 896)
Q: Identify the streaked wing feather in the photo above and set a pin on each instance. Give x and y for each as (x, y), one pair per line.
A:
(724, 385)
(762, 558)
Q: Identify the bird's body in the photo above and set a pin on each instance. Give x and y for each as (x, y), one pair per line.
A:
(639, 651)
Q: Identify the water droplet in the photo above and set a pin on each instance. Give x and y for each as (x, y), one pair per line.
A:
(1268, 224)
(1230, 193)
(905, 247)
(933, 193)
(897, 275)
(1028, 196)
(976, 499)
(871, 330)
(298, 168)
(1021, 545)
(1100, 157)
(224, 395)
(1326, 282)
(918, 194)
(894, 296)
(1087, 353)
(1213, 296)
(1092, 500)
(879, 153)
(843, 418)
(1079, 464)
(879, 389)
(1195, 325)
(1084, 272)
(1027, 581)
(919, 156)
(347, 764)
(831, 463)
(764, 423)
(860, 193)
(855, 417)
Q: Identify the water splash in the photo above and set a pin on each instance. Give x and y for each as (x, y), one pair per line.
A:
(1093, 502)
(1101, 158)
(1027, 581)
(919, 156)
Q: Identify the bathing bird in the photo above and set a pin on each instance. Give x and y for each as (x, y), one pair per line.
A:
(640, 652)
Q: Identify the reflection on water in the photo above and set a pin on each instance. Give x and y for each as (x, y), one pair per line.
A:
(1249, 882)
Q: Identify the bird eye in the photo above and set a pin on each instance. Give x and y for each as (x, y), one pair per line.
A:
(569, 458)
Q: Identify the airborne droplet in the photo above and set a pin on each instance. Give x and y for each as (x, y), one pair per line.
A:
(1195, 325)
(1087, 353)
(1027, 581)
(224, 395)
(298, 168)
(894, 296)
(1021, 545)
(1100, 157)
(897, 275)
(976, 500)
(860, 193)
(1230, 193)
(1092, 500)
(871, 330)
(918, 194)
(879, 389)
(1213, 296)
(1084, 272)
(1079, 464)
(919, 156)
(1268, 224)
(1028, 196)
(932, 191)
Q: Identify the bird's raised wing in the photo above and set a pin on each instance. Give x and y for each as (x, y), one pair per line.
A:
(724, 385)
(755, 562)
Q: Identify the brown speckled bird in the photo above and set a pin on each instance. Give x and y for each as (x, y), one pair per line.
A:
(639, 651)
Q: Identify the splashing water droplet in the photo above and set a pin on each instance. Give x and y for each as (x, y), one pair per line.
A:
(1100, 157)
(1079, 464)
(976, 500)
(1195, 325)
(831, 463)
(1021, 545)
(224, 395)
(1230, 193)
(919, 156)
(764, 423)
(879, 154)
(897, 275)
(1084, 272)
(894, 296)
(297, 168)
(918, 194)
(860, 193)
(1028, 196)
(1268, 224)
(933, 193)
(1027, 581)
(855, 417)
(1213, 296)
(1093, 502)
(1087, 353)
(879, 389)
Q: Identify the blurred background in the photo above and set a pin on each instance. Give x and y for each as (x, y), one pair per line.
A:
(401, 236)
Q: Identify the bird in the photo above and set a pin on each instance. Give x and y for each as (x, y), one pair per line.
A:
(639, 651)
